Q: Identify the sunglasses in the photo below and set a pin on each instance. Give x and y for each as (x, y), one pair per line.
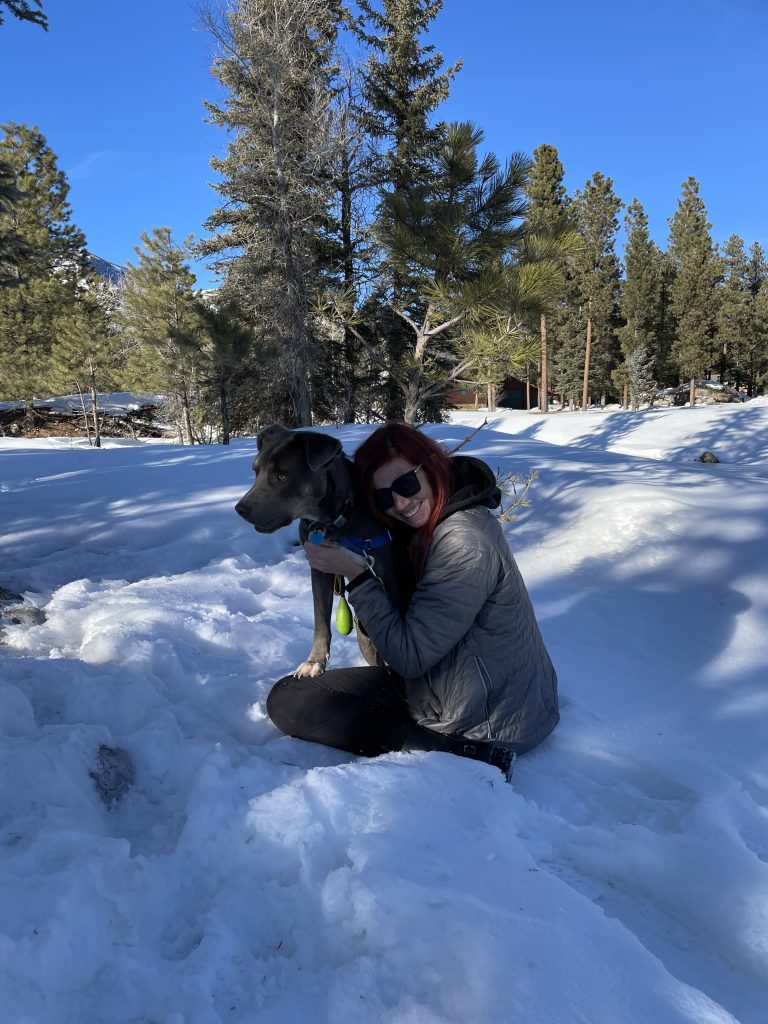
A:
(406, 486)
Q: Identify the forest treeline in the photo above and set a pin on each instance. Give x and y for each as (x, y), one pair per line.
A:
(371, 256)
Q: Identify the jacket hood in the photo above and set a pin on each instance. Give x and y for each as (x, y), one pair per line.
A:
(474, 483)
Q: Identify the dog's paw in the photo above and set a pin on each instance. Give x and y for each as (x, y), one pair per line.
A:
(310, 669)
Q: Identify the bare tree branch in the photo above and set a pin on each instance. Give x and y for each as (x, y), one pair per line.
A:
(468, 438)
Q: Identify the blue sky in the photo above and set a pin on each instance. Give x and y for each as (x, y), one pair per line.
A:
(646, 92)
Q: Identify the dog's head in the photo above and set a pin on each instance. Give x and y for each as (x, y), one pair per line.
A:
(292, 477)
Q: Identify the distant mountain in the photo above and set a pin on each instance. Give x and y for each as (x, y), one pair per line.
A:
(104, 268)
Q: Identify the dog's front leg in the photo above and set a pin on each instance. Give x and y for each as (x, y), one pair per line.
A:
(322, 601)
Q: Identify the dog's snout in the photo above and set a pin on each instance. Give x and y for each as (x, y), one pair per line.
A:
(242, 509)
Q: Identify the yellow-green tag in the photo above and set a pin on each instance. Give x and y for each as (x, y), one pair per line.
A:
(343, 617)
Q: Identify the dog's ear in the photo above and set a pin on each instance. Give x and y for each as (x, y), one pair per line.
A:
(268, 435)
(321, 449)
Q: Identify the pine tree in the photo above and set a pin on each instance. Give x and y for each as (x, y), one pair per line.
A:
(226, 345)
(641, 297)
(277, 64)
(694, 291)
(44, 260)
(641, 381)
(84, 354)
(740, 337)
(735, 311)
(596, 270)
(451, 237)
(756, 359)
(24, 10)
(13, 249)
(404, 83)
(161, 325)
(342, 373)
(547, 211)
(492, 349)
(758, 366)
(667, 374)
(567, 325)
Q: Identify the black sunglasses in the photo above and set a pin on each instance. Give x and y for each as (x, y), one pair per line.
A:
(406, 486)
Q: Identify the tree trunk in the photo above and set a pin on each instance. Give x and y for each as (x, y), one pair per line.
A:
(413, 398)
(585, 391)
(349, 398)
(298, 384)
(86, 421)
(491, 392)
(94, 408)
(412, 393)
(543, 382)
(625, 404)
(186, 421)
(224, 405)
(693, 391)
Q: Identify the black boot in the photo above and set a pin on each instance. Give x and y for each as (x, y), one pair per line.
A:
(491, 753)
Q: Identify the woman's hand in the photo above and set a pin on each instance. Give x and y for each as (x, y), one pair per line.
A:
(330, 557)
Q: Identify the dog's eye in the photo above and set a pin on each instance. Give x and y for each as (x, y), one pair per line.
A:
(281, 477)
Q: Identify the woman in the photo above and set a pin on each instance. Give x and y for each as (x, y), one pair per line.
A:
(466, 667)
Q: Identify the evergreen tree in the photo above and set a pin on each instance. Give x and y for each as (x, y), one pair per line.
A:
(25, 10)
(494, 348)
(642, 297)
(664, 366)
(641, 382)
(567, 326)
(740, 337)
(596, 271)
(84, 354)
(161, 324)
(758, 366)
(226, 345)
(42, 263)
(342, 373)
(757, 268)
(277, 64)
(694, 292)
(404, 83)
(451, 237)
(735, 312)
(12, 245)
(547, 211)
(755, 361)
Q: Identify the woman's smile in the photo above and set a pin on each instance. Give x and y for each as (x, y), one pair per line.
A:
(414, 510)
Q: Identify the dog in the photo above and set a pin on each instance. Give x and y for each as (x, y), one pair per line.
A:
(305, 475)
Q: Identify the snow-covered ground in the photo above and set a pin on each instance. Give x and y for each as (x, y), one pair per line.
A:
(246, 876)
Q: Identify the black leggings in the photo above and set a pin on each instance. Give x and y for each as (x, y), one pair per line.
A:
(361, 710)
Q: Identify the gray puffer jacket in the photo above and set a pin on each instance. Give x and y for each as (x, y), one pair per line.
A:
(468, 646)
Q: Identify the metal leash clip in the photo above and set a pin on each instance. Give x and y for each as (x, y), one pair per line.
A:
(369, 564)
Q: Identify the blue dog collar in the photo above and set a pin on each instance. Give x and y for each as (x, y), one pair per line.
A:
(362, 546)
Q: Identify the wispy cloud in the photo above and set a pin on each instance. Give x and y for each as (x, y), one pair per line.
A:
(86, 167)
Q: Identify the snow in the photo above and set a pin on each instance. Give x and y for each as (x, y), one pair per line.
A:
(247, 876)
(113, 403)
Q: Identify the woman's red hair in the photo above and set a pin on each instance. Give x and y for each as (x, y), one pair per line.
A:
(399, 439)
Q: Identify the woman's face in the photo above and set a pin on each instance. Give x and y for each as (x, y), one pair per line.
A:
(415, 510)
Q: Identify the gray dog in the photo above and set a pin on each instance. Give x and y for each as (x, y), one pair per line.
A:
(304, 475)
